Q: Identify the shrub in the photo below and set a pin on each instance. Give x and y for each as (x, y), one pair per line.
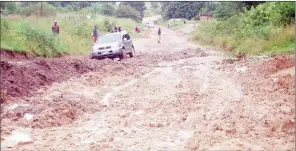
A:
(82, 30)
(41, 43)
(35, 9)
(260, 29)
(4, 26)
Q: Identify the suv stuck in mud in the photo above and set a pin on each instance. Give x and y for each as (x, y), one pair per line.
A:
(113, 45)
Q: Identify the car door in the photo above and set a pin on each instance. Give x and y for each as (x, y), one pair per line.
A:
(129, 42)
(125, 42)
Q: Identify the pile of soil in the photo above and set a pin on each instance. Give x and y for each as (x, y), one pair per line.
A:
(22, 77)
(8, 54)
(29, 75)
(275, 64)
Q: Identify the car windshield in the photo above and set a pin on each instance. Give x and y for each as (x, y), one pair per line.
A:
(110, 38)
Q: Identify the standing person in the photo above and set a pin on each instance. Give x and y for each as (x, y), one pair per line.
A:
(115, 28)
(159, 34)
(95, 34)
(55, 28)
(119, 29)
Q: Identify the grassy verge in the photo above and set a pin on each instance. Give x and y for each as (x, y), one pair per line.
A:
(280, 41)
(266, 29)
(33, 34)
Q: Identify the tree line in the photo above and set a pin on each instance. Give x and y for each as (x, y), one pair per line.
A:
(134, 10)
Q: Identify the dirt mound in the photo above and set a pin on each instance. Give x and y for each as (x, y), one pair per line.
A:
(50, 114)
(8, 54)
(286, 82)
(276, 63)
(57, 115)
(20, 78)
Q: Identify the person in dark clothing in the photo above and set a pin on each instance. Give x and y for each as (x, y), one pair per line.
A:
(55, 28)
(159, 34)
(119, 29)
(95, 34)
(115, 29)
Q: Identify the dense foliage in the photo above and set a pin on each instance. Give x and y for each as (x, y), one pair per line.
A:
(139, 6)
(126, 11)
(266, 27)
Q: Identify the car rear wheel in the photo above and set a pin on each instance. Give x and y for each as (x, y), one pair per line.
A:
(132, 54)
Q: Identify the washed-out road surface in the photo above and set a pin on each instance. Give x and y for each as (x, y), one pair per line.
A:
(172, 95)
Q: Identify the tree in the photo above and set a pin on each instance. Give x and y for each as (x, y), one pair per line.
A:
(83, 4)
(139, 6)
(126, 11)
(65, 3)
(55, 4)
(225, 10)
(154, 4)
(182, 9)
(108, 10)
(10, 7)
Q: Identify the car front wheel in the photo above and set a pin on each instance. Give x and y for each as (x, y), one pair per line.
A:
(123, 55)
(132, 54)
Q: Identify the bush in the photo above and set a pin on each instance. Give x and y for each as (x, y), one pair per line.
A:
(4, 26)
(126, 11)
(258, 30)
(35, 9)
(107, 26)
(40, 42)
(82, 30)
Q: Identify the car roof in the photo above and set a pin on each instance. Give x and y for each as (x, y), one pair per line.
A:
(121, 33)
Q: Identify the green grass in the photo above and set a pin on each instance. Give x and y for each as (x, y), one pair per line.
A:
(75, 33)
(281, 40)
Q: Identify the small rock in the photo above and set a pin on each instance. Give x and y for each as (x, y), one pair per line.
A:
(28, 116)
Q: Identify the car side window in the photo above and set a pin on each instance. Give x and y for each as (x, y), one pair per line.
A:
(128, 37)
(124, 36)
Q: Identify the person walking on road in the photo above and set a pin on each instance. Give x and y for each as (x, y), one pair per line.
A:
(95, 34)
(55, 28)
(159, 34)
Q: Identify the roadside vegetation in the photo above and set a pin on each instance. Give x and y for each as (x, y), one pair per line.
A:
(24, 28)
(267, 28)
(249, 27)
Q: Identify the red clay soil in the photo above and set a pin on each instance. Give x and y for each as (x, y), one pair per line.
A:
(8, 54)
(277, 63)
(19, 78)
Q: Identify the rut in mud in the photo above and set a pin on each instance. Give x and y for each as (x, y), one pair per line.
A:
(171, 96)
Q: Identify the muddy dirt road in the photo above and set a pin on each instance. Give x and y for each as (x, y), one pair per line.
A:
(171, 96)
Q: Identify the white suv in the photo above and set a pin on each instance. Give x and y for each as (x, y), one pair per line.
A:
(113, 45)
